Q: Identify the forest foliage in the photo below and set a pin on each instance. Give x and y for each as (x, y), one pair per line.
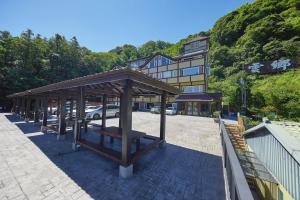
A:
(259, 31)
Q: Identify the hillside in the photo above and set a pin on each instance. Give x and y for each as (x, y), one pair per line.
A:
(260, 31)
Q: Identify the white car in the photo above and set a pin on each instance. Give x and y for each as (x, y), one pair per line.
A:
(91, 108)
(171, 111)
(54, 110)
(111, 111)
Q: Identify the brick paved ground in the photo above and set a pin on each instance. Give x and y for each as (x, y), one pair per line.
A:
(37, 166)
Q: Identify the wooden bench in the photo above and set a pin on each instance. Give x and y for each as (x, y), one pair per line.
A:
(53, 125)
(116, 132)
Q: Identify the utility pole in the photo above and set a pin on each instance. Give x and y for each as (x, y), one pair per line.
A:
(244, 96)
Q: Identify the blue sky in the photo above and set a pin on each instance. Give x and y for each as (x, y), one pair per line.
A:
(102, 25)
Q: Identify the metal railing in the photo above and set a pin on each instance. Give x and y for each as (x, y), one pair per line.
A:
(235, 183)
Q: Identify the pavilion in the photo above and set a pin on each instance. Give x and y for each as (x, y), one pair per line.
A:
(123, 84)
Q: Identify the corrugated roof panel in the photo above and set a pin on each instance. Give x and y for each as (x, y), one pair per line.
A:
(277, 145)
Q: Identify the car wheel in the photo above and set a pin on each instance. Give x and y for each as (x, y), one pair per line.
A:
(117, 114)
(96, 116)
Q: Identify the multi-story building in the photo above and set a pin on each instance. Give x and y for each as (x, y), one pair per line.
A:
(188, 72)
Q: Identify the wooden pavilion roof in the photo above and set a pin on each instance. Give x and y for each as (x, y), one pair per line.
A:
(110, 83)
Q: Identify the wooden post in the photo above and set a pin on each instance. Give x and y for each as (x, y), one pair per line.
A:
(126, 121)
(27, 110)
(22, 106)
(51, 111)
(13, 109)
(163, 117)
(80, 112)
(45, 110)
(82, 108)
(76, 130)
(18, 106)
(103, 117)
(57, 107)
(77, 114)
(104, 107)
(82, 103)
(120, 110)
(71, 108)
(62, 118)
(36, 111)
(120, 118)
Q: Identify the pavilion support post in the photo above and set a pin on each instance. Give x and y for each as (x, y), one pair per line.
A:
(76, 127)
(62, 119)
(17, 111)
(163, 118)
(13, 109)
(19, 105)
(120, 118)
(103, 117)
(126, 169)
(82, 103)
(80, 106)
(50, 105)
(15, 105)
(77, 118)
(71, 108)
(27, 110)
(22, 106)
(36, 111)
(45, 113)
(57, 107)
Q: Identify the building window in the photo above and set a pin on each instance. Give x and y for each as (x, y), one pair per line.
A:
(190, 71)
(137, 63)
(204, 107)
(195, 46)
(153, 75)
(174, 73)
(167, 74)
(159, 61)
(192, 89)
(159, 75)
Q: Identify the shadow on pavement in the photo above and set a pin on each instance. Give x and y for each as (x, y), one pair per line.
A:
(171, 172)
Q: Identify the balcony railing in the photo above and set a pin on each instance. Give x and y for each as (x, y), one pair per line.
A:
(236, 184)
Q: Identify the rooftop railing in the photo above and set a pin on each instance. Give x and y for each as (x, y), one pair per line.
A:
(235, 181)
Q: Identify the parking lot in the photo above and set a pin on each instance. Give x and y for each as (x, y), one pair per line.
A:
(197, 133)
(189, 166)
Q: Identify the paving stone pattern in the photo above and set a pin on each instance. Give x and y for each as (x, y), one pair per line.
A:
(34, 165)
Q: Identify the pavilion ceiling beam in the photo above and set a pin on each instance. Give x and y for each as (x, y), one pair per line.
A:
(115, 78)
(146, 87)
(116, 88)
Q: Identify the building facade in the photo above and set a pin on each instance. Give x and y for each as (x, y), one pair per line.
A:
(277, 145)
(189, 72)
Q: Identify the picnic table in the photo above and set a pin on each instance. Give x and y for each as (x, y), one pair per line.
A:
(116, 132)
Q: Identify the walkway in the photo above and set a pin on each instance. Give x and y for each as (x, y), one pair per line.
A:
(34, 165)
